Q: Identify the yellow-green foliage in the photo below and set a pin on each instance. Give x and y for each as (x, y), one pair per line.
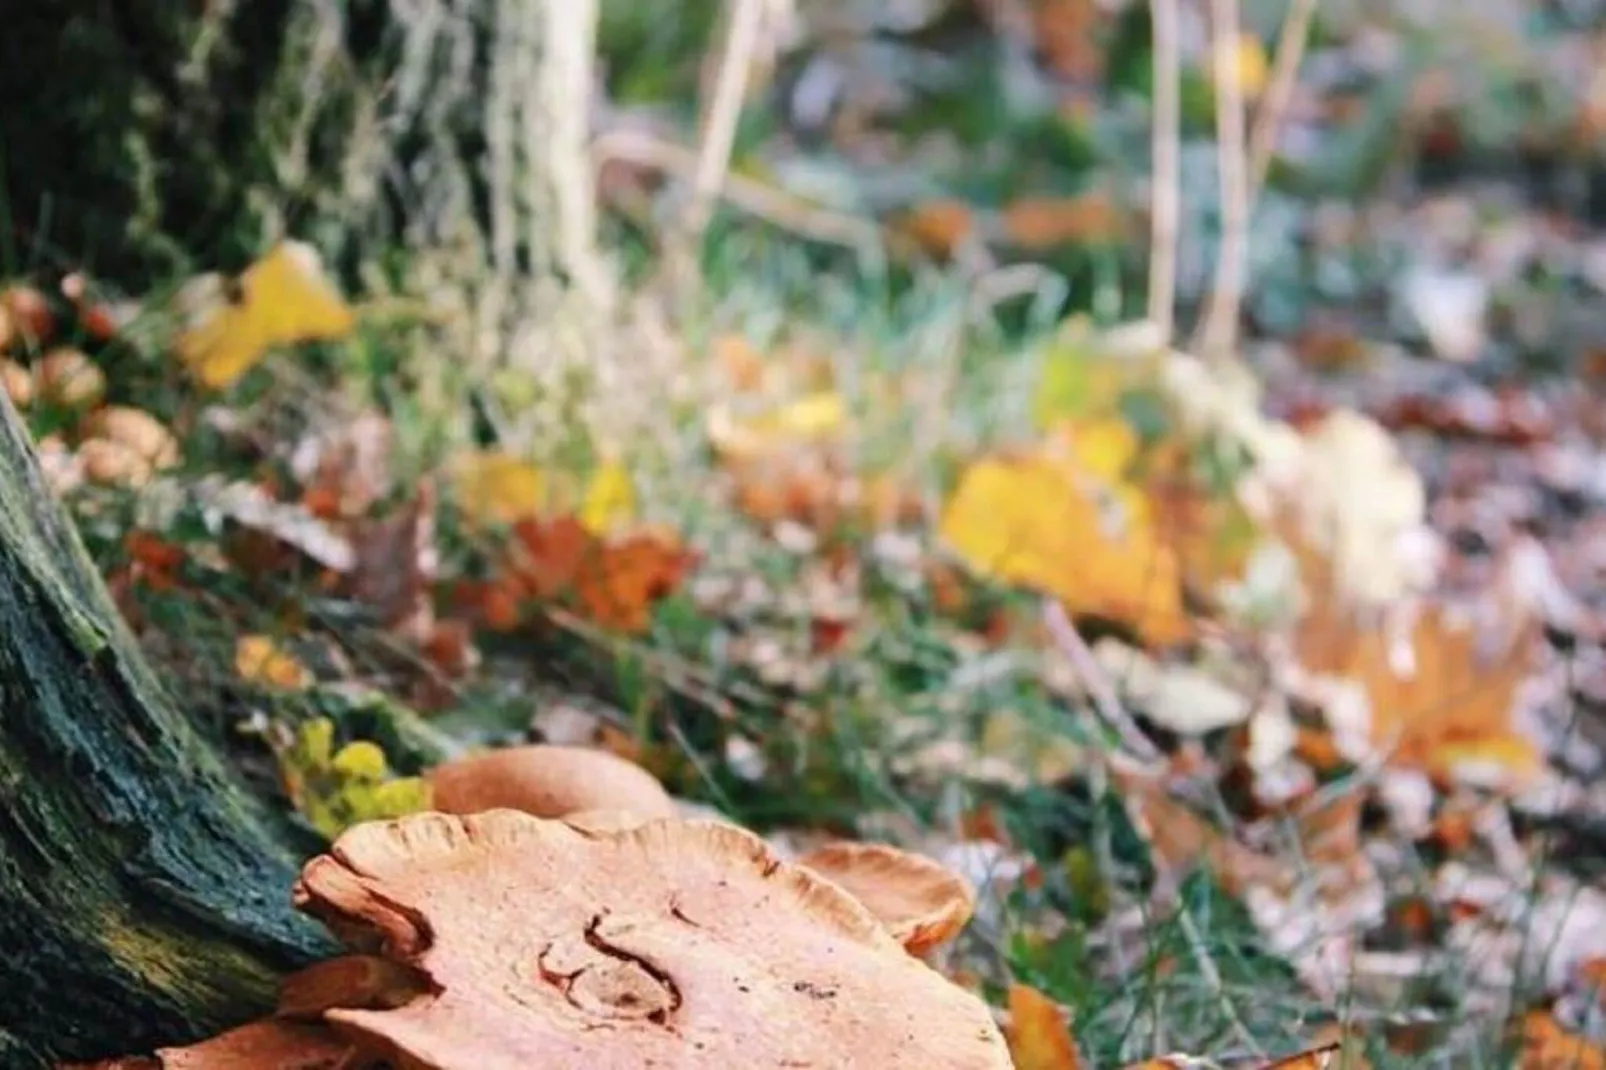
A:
(335, 789)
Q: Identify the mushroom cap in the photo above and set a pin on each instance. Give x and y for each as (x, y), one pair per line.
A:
(348, 981)
(547, 781)
(674, 943)
(266, 1045)
(921, 903)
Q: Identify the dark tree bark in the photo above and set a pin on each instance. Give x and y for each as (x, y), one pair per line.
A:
(144, 898)
(145, 141)
(144, 895)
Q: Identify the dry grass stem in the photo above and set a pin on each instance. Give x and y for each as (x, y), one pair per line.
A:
(1166, 205)
(773, 206)
(1211, 973)
(1274, 105)
(722, 114)
(1217, 335)
(1098, 684)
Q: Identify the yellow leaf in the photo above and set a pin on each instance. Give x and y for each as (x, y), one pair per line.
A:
(1103, 447)
(610, 500)
(368, 801)
(1043, 523)
(814, 417)
(497, 488)
(362, 760)
(1496, 760)
(1039, 1035)
(353, 785)
(1086, 374)
(259, 661)
(404, 795)
(306, 757)
(1250, 65)
(283, 298)
(325, 816)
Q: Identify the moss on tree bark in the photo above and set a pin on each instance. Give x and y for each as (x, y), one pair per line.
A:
(161, 138)
(144, 897)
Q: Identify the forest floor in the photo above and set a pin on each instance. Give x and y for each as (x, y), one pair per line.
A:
(1260, 697)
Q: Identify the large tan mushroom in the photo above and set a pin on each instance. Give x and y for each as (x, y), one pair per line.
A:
(673, 943)
(270, 1044)
(348, 981)
(920, 903)
(547, 781)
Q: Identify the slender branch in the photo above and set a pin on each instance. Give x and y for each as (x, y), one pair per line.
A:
(1166, 199)
(1097, 682)
(723, 114)
(1217, 335)
(772, 205)
(1274, 105)
(1105, 700)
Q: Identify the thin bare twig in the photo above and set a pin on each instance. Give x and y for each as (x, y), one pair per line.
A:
(1097, 682)
(1105, 700)
(755, 198)
(1217, 336)
(723, 113)
(1274, 104)
(1166, 198)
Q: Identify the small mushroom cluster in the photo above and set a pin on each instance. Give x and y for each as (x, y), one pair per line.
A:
(556, 911)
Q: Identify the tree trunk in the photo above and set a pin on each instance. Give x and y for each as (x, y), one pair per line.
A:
(143, 896)
(162, 138)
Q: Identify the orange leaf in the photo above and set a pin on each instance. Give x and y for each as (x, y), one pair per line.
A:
(259, 660)
(1039, 1033)
(1454, 829)
(450, 648)
(1546, 1045)
(618, 587)
(1451, 709)
(1322, 1057)
(153, 552)
(1317, 749)
(740, 361)
(501, 607)
(495, 604)
(938, 227)
(322, 501)
(548, 554)
(1068, 33)
(1042, 222)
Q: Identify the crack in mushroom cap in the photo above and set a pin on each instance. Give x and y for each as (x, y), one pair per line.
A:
(547, 781)
(674, 943)
(921, 903)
